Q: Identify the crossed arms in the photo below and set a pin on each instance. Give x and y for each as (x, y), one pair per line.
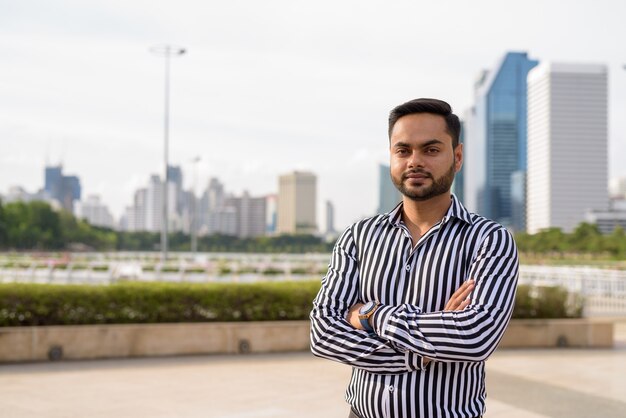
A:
(405, 338)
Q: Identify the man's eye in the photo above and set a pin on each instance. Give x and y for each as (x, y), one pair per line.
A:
(432, 150)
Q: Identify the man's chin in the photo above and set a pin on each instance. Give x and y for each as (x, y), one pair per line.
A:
(417, 198)
(415, 194)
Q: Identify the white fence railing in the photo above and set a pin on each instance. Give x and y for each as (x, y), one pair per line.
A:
(604, 291)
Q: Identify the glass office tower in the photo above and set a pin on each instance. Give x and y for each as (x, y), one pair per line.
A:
(388, 195)
(459, 182)
(496, 145)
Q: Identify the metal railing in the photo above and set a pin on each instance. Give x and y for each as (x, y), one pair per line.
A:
(603, 291)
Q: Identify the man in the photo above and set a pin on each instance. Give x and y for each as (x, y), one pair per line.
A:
(415, 300)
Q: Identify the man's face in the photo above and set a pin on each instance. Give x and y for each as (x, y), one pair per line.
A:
(423, 162)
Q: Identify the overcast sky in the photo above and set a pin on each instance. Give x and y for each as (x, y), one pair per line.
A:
(266, 87)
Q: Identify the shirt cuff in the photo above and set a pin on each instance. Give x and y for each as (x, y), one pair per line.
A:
(414, 361)
(380, 318)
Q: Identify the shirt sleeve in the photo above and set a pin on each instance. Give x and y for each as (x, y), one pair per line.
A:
(332, 336)
(473, 333)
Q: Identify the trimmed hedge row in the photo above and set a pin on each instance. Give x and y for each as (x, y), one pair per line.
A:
(137, 302)
(546, 302)
(140, 302)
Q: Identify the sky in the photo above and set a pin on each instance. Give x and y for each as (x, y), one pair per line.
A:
(266, 87)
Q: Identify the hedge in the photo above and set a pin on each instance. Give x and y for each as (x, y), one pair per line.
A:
(139, 302)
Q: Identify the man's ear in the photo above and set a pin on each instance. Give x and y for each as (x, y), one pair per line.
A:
(458, 157)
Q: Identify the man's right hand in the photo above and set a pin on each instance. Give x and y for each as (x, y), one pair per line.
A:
(458, 301)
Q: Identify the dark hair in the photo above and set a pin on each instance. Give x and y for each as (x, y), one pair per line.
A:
(437, 107)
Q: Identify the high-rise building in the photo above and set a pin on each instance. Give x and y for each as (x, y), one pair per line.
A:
(617, 188)
(146, 214)
(330, 217)
(458, 185)
(567, 144)
(71, 192)
(64, 189)
(297, 201)
(608, 220)
(211, 217)
(496, 137)
(18, 194)
(271, 213)
(388, 195)
(250, 215)
(175, 176)
(53, 182)
(95, 212)
(518, 201)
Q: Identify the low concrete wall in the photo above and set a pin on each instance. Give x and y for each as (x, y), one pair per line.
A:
(137, 340)
(537, 333)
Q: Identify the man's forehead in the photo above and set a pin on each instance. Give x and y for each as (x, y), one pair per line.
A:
(421, 130)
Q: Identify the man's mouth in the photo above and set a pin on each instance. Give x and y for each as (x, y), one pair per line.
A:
(416, 176)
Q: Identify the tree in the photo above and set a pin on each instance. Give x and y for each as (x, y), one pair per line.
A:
(3, 227)
(615, 244)
(586, 238)
(32, 225)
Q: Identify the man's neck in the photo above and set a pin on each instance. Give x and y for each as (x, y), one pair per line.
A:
(420, 216)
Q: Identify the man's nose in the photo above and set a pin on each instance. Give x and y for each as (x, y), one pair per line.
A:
(415, 160)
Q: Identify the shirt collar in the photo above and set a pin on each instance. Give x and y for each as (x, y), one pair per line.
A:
(456, 210)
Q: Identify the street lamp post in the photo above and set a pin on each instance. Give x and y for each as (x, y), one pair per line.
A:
(166, 51)
(194, 215)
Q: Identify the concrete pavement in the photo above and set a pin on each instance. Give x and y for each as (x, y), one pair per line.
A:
(520, 384)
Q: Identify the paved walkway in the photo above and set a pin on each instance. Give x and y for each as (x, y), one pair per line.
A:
(521, 384)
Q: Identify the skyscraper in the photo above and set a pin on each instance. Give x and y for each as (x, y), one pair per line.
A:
(64, 189)
(567, 144)
(175, 176)
(211, 206)
(330, 217)
(95, 212)
(496, 137)
(146, 213)
(271, 213)
(250, 215)
(297, 201)
(458, 185)
(388, 195)
(53, 181)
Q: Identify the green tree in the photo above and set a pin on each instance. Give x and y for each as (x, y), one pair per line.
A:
(32, 225)
(78, 231)
(586, 238)
(615, 243)
(3, 227)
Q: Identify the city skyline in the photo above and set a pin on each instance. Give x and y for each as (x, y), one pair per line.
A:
(291, 87)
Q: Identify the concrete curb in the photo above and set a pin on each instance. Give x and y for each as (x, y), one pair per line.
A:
(139, 340)
(75, 342)
(546, 333)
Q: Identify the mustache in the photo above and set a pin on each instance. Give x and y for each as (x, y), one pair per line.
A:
(424, 173)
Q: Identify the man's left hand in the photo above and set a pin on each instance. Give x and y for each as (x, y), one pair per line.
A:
(353, 316)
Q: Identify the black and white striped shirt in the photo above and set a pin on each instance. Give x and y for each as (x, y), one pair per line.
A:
(374, 260)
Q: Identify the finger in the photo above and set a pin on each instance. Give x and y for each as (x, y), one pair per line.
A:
(457, 295)
(463, 304)
(466, 291)
(460, 295)
(458, 305)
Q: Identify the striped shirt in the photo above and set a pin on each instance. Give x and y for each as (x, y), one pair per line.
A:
(374, 260)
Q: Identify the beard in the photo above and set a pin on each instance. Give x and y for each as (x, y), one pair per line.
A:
(437, 187)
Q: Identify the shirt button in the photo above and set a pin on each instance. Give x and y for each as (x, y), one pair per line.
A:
(408, 267)
(390, 388)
